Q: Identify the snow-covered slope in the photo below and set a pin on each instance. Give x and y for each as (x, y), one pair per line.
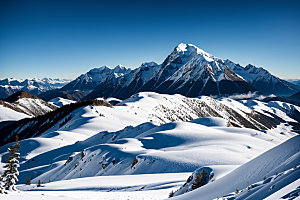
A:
(127, 85)
(29, 104)
(273, 108)
(58, 101)
(151, 133)
(8, 114)
(88, 81)
(144, 107)
(122, 187)
(278, 159)
(82, 123)
(263, 80)
(281, 185)
(35, 86)
(172, 147)
(162, 108)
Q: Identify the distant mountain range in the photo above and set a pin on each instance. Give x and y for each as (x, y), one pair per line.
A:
(35, 86)
(294, 81)
(188, 70)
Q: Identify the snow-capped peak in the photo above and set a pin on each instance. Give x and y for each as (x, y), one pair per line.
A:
(190, 49)
(149, 64)
(119, 66)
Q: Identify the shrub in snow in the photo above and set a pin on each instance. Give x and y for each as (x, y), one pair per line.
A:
(82, 155)
(28, 182)
(11, 172)
(103, 166)
(68, 160)
(134, 162)
(171, 194)
(39, 184)
(199, 178)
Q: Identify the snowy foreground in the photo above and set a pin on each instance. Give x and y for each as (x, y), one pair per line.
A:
(144, 186)
(149, 145)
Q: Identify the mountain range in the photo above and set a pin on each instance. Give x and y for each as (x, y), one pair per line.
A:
(35, 86)
(188, 70)
(193, 126)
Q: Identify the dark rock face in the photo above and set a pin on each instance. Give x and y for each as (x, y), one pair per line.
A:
(295, 97)
(51, 94)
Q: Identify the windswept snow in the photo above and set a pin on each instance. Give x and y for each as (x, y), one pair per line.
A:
(278, 159)
(8, 114)
(149, 144)
(59, 101)
(123, 187)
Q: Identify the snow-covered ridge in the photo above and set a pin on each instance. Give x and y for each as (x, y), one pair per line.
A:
(151, 133)
(59, 102)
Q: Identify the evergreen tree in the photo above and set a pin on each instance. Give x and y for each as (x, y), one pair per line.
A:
(28, 182)
(11, 172)
(39, 184)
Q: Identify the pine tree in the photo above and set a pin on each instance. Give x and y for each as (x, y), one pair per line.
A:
(11, 172)
(28, 182)
(39, 184)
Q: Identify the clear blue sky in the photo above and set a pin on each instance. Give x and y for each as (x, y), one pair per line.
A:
(60, 38)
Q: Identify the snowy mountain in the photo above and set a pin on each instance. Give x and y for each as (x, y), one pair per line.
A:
(263, 80)
(88, 81)
(28, 104)
(192, 72)
(188, 70)
(9, 86)
(127, 85)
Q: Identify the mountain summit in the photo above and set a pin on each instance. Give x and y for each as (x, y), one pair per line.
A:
(188, 70)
